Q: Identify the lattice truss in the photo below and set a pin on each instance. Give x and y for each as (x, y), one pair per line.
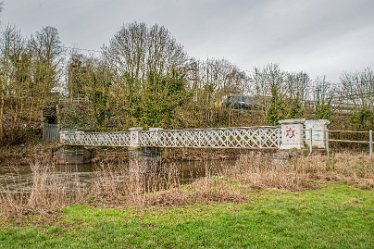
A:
(97, 138)
(262, 137)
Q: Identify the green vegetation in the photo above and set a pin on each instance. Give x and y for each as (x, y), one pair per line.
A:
(144, 77)
(336, 216)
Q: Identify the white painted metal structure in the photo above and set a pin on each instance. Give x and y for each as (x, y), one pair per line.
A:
(255, 137)
(289, 135)
(96, 138)
(242, 137)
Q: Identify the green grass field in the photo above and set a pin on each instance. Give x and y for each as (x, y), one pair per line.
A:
(336, 216)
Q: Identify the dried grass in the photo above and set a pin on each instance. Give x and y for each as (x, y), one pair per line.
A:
(204, 190)
(260, 171)
(144, 186)
(48, 194)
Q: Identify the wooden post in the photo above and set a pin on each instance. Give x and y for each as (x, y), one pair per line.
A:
(310, 141)
(371, 144)
(327, 142)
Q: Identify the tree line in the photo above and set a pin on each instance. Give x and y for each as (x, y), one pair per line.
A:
(144, 77)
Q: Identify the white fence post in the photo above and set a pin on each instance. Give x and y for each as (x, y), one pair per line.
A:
(135, 134)
(62, 137)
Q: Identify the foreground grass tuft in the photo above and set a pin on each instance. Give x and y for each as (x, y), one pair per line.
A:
(335, 216)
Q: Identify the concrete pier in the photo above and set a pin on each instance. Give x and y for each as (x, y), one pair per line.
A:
(72, 155)
(142, 160)
(145, 160)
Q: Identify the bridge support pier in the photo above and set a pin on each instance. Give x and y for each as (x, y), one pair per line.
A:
(146, 160)
(291, 139)
(316, 133)
(142, 160)
(292, 134)
(296, 134)
(72, 155)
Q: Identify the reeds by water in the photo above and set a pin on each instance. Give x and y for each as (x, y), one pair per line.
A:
(118, 186)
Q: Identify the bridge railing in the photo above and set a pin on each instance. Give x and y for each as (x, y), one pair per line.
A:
(289, 135)
(96, 138)
(242, 137)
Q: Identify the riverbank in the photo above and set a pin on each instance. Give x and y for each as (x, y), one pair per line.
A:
(314, 201)
(48, 188)
(334, 216)
(27, 153)
(24, 154)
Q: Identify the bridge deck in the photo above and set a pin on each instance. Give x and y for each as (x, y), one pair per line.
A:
(242, 137)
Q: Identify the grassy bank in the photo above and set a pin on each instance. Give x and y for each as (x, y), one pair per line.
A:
(335, 216)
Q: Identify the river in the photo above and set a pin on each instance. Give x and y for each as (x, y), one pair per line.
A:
(20, 179)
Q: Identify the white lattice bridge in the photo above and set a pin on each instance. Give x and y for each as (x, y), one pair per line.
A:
(289, 135)
(241, 137)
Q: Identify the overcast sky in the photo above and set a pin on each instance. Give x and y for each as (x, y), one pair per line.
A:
(317, 36)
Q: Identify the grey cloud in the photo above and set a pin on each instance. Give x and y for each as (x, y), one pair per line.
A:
(317, 36)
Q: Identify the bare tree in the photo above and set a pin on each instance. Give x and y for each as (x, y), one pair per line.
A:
(296, 85)
(138, 49)
(358, 88)
(140, 56)
(45, 47)
(213, 78)
(223, 75)
(323, 96)
(268, 78)
(268, 82)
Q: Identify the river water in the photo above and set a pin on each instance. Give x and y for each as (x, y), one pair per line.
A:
(20, 179)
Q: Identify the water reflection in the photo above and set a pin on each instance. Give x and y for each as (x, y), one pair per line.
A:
(20, 178)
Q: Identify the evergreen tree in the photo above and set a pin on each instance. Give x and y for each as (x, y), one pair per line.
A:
(276, 109)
